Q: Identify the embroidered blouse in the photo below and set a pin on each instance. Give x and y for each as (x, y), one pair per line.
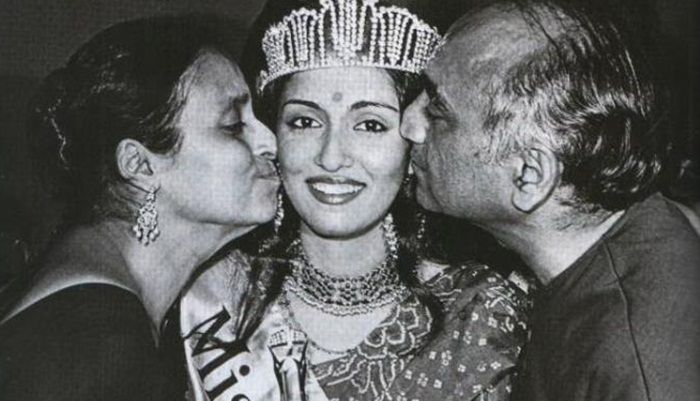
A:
(472, 356)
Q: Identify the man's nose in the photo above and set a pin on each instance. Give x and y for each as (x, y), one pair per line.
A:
(414, 124)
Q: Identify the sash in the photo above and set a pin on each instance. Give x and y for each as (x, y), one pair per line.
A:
(268, 364)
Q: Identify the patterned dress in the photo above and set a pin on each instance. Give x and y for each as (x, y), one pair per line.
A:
(472, 356)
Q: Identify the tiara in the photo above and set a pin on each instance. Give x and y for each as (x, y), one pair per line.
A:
(361, 34)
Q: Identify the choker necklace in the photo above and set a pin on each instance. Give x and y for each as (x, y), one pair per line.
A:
(343, 296)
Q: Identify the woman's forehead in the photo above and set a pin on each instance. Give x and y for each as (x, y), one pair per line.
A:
(342, 85)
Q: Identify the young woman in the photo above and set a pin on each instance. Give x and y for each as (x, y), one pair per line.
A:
(360, 315)
(161, 161)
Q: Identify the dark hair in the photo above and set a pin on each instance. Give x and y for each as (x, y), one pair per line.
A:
(126, 82)
(406, 213)
(589, 95)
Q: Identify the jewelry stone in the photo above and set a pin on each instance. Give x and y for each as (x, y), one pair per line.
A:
(396, 39)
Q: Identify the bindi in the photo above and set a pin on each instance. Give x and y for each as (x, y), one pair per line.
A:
(337, 96)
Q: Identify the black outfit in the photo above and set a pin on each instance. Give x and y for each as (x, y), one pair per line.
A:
(621, 322)
(85, 342)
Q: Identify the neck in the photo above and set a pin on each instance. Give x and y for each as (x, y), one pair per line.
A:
(158, 272)
(549, 251)
(344, 256)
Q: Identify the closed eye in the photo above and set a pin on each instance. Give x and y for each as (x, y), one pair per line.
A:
(303, 123)
(436, 109)
(235, 128)
(371, 126)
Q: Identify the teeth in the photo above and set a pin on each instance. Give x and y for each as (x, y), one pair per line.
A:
(336, 189)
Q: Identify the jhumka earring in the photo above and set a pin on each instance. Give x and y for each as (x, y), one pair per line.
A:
(146, 227)
(421, 226)
(279, 214)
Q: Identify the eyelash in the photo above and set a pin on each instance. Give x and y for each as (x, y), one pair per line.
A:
(235, 128)
(303, 123)
(435, 110)
(381, 128)
(309, 123)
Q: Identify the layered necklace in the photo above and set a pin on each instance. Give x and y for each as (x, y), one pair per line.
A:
(348, 296)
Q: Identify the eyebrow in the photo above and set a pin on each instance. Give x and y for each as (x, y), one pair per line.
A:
(236, 103)
(355, 106)
(240, 100)
(306, 103)
(364, 103)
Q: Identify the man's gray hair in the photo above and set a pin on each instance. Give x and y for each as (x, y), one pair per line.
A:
(587, 94)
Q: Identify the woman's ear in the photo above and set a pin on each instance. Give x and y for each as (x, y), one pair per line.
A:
(536, 177)
(134, 163)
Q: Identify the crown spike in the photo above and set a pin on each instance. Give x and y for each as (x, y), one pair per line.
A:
(361, 34)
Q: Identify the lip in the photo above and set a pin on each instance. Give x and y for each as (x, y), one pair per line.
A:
(268, 172)
(417, 166)
(269, 176)
(334, 190)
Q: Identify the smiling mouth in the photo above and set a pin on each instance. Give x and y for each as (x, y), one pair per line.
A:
(334, 190)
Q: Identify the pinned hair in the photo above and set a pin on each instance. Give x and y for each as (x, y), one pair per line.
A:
(125, 82)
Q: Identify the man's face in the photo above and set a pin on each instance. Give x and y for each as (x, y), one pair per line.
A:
(457, 174)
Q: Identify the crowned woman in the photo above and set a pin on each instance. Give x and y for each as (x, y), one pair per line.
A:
(359, 313)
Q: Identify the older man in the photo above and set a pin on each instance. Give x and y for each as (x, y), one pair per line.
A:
(542, 125)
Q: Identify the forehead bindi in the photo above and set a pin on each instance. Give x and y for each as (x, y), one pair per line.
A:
(342, 87)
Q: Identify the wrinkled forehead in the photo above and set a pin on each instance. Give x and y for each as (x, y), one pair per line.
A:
(481, 47)
(212, 69)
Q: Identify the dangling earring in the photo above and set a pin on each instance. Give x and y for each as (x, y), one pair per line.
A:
(421, 226)
(389, 230)
(146, 227)
(279, 214)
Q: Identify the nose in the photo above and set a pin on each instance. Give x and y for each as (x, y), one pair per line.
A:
(332, 155)
(264, 141)
(414, 124)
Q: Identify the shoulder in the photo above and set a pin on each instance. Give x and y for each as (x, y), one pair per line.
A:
(479, 299)
(80, 315)
(475, 283)
(482, 332)
(86, 339)
(653, 255)
(83, 303)
(234, 287)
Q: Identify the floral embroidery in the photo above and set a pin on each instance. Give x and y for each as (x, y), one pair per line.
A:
(379, 370)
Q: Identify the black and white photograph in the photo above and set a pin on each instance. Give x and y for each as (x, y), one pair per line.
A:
(349, 200)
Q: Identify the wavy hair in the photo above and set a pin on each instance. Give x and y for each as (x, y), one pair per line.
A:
(590, 96)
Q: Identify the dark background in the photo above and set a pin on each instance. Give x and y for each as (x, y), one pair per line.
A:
(37, 36)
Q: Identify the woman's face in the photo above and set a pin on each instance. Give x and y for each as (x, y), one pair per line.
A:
(223, 172)
(341, 155)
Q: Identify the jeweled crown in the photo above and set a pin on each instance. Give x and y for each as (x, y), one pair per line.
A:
(347, 33)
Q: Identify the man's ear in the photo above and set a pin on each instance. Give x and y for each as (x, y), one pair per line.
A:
(134, 163)
(536, 177)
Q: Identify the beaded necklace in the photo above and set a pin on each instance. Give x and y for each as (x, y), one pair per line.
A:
(348, 296)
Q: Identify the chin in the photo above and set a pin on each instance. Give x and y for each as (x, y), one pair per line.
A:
(337, 226)
(265, 212)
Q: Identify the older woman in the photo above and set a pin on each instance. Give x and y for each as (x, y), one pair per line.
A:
(360, 316)
(161, 161)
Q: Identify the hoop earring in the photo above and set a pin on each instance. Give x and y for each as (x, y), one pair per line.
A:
(279, 213)
(146, 227)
